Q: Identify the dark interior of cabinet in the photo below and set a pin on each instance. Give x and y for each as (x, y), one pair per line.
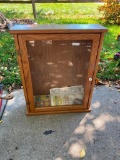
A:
(58, 63)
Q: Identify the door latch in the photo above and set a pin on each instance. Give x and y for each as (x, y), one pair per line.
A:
(90, 79)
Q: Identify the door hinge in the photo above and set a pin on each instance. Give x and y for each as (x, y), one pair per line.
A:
(19, 52)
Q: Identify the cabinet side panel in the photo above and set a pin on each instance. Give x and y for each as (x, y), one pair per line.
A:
(21, 69)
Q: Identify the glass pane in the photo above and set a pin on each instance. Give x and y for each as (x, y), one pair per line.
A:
(58, 71)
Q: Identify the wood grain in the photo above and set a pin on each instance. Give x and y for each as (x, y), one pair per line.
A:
(27, 75)
(21, 70)
(58, 56)
(57, 112)
(96, 67)
(58, 28)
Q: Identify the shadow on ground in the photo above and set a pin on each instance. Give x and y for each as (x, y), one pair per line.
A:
(62, 136)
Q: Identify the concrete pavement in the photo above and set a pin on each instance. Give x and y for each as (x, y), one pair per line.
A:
(62, 136)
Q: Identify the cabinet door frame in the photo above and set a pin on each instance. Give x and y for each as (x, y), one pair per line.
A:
(22, 38)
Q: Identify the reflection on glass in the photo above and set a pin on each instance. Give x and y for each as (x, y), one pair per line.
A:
(58, 71)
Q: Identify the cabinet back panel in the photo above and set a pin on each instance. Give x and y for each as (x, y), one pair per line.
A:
(58, 63)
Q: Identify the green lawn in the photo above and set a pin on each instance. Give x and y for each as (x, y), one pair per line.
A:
(54, 11)
(62, 14)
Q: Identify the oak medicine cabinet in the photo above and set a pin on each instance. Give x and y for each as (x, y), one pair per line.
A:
(58, 65)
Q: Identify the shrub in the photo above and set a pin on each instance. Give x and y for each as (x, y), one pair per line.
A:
(111, 11)
(8, 60)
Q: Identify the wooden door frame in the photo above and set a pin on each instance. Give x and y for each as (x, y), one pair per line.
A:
(26, 69)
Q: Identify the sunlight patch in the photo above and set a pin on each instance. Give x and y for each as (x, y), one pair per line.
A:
(80, 130)
(75, 149)
(96, 104)
(59, 158)
(101, 121)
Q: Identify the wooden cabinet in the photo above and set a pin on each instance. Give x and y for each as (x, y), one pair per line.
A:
(58, 65)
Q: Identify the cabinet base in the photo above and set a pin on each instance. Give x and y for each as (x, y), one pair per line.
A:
(56, 112)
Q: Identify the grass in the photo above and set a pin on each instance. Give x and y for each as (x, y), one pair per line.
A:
(80, 13)
(54, 13)
(110, 46)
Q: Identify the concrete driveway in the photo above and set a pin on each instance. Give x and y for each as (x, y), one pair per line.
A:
(62, 136)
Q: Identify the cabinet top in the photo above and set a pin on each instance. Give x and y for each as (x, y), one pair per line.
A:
(58, 28)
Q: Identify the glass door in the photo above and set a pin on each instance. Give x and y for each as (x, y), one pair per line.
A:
(58, 69)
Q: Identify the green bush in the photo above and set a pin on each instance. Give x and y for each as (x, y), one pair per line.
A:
(8, 60)
(111, 11)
